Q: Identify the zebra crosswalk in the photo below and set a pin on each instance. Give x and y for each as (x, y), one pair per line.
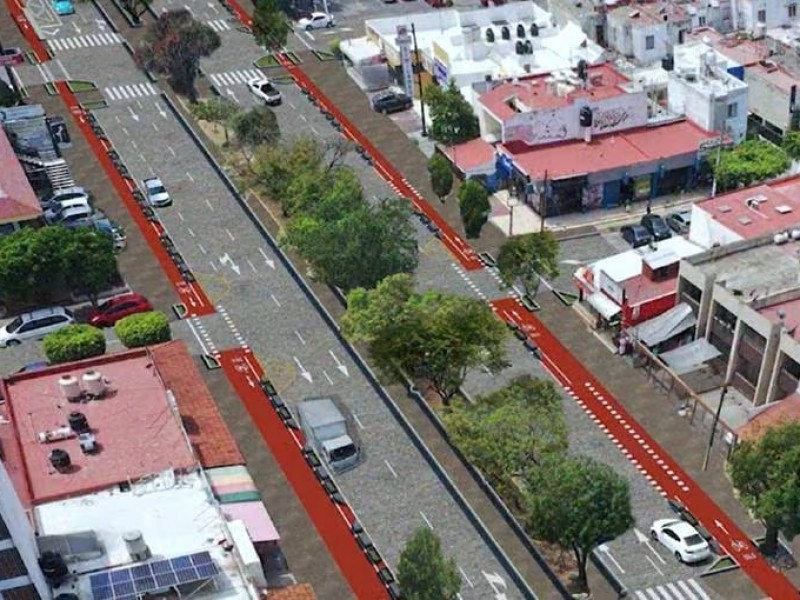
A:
(680, 590)
(219, 25)
(233, 77)
(88, 40)
(130, 92)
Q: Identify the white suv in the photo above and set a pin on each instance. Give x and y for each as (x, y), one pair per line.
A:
(35, 325)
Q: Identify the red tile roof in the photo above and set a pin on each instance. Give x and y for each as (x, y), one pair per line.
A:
(210, 437)
(137, 432)
(785, 410)
(604, 153)
(744, 52)
(18, 201)
(471, 155)
(295, 592)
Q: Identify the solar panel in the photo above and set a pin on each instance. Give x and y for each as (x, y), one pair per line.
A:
(128, 583)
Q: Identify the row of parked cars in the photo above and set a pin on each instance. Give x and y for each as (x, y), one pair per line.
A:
(654, 228)
(73, 207)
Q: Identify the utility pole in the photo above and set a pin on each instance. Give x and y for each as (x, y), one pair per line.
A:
(543, 204)
(418, 67)
(723, 393)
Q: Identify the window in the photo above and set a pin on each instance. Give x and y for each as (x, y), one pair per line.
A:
(649, 42)
(733, 110)
(762, 16)
(792, 8)
(701, 21)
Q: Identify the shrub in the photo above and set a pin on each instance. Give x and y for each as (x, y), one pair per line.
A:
(143, 329)
(74, 342)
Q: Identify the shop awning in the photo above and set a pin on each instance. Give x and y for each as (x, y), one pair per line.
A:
(665, 326)
(690, 357)
(255, 517)
(603, 305)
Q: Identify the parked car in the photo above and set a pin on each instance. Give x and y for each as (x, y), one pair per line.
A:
(68, 210)
(317, 20)
(39, 365)
(111, 311)
(63, 7)
(635, 235)
(390, 102)
(656, 226)
(263, 88)
(11, 56)
(680, 221)
(101, 223)
(56, 196)
(35, 325)
(681, 539)
(157, 195)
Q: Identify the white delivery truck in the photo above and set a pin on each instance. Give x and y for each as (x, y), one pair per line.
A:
(327, 432)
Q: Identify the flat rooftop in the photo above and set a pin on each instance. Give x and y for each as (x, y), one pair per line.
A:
(176, 516)
(740, 51)
(533, 93)
(136, 425)
(608, 152)
(773, 74)
(649, 14)
(757, 211)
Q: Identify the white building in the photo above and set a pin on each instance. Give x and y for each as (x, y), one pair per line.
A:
(647, 32)
(757, 16)
(702, 88)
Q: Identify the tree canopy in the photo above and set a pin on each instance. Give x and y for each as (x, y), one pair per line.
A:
(254, 127)
(506, 432)
(750, 162)
(474, 203)
(527, 258)
(423, 571)
(452, 117)
(8, 95)
(576, 503)
(270, 26)
(791, 144)
(766, 472)
(441, 176)
(431, 335)
(74, 342)
(89, 263)
(173, 46)
(216, 110)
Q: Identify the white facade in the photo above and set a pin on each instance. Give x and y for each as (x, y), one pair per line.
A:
(703, 90)
(756, 16)
(707, 232)
(647, 33)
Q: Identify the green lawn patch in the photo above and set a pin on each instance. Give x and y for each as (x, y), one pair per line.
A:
(76, 86)
(721, 564)
(294, 58)
(282, 79)
(94, 104)
(266, 61)
(568, 298)
(325, 56)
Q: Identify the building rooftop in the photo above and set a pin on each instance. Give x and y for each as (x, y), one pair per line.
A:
(18, 202)
(772, 415)
(651, 13)
(741, 51)
(612, 151)
(209, 436)
(534, 93)
(708, 67)
(135, 423)
(774, 74)
(175, 515)
(470, 155)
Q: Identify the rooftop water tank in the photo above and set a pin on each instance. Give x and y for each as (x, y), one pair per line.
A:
(94, 383)
(53, 567)
(136, 545)
(70, 388)
(78, 422)
(60, 460)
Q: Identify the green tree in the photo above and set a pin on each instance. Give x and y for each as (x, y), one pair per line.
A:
(276, 167)
(74, 342)
(173, 46)
(791, 144)
(507, 431)
(143, 329)
(441, 176)
(473, 200)
(90, 265)
(423, 571)
(750, 162)
(216, 110)
(270, 26)
(432, 336)
(360, 247)
(527, 258)
(453, 120)
(255, 127)
(576, 503)
(8, 95)
(766, 472)
(31, 263)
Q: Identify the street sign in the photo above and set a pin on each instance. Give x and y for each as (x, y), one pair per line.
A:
(404, 44)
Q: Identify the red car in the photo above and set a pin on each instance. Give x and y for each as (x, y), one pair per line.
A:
(111, 311)
(11, 56)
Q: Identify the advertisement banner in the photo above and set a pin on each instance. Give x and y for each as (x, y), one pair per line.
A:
(403, 40)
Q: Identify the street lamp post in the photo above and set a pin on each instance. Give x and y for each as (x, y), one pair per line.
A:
(512, 203)
(418, 67)
(723, 393)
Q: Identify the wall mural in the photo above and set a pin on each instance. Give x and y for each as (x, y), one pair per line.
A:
(611, 118)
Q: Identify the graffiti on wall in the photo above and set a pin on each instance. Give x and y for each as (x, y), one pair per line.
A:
(611, 118)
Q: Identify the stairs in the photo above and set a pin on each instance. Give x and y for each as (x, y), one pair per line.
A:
(56, 171)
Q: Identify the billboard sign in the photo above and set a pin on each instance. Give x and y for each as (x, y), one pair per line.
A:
(403, 40)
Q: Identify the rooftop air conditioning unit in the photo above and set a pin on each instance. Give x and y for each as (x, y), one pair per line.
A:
(137, 548)
(795, 234)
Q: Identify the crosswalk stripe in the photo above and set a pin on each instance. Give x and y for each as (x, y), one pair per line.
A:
(640, 595)
(90, 39)
(68, 43)
(699, 590)
(153, 90)
(675, 591)
(140, 89)
(663, 592)
(111, 93)
(214, 79)
(123, 90)
(239, 77)
(54, 44)
(687, 590)
(254, 74)
(80, 42)
(227, 78)
(652, 594)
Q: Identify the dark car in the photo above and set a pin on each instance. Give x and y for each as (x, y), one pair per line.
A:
(390, 102)
(656, 226)
(635, 235)
(111, 311)
(679, 221)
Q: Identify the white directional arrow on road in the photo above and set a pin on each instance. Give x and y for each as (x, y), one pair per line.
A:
(303, 371)
(161, 111)
(225, 259)
(607, 551)
(77, 29)
(643, 539)
(339, 365)
(721, 526)
(133, 114)
(230, 93)
(267, 259)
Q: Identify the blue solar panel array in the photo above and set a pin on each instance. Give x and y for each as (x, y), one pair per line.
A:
(129, 583)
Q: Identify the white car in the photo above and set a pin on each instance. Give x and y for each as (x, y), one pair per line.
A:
(681, 539)
(317, 20)
(57, 212)
(263, 88)
(156, 193)
(35, 325)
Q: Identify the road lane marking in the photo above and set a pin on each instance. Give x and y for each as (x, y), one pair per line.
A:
(189, 176)
(675, 591)
(230, 235)
(171, 151)
(199, 245)
(467, 579)
(208, 203)
(191, 233)
(300, 337)
(274, 299)
(655, 566)
(252, 266)
(427, 521)
(394, 474)
(180, 216)
(652, 594)
(358, 422)
(698, 589)
(328, 377)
